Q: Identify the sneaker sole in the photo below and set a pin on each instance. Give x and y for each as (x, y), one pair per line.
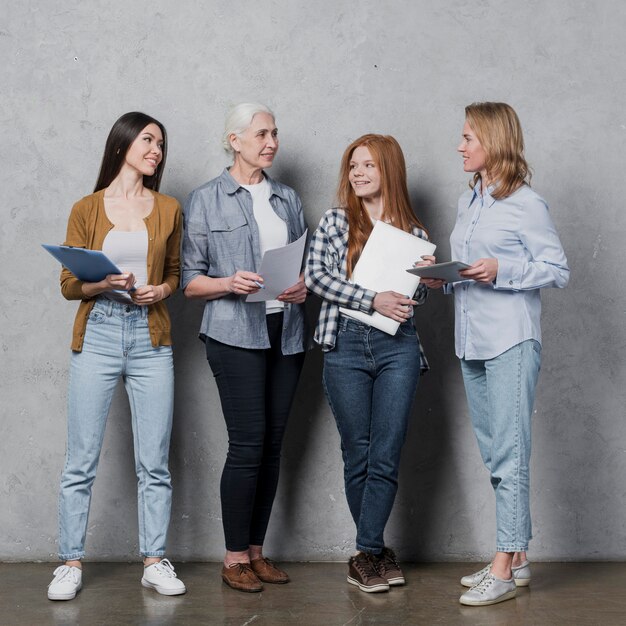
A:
(396, 582)
(162, 590)
(64, 596)
(505, 596)
(371, 588)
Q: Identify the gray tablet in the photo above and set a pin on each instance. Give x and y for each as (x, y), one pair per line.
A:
(443, 271)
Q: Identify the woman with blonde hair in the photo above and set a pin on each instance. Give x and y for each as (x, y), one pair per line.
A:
(504, 231)
(369, 376)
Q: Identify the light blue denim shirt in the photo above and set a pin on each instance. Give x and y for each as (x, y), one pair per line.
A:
(221, 236)
(518, 231)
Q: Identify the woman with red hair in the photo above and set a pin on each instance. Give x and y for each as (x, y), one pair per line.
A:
(369, 376)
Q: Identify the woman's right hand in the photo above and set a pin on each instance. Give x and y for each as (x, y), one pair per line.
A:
(243, 283)
(394, 305)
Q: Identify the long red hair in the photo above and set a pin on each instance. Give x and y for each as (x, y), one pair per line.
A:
(387, 155)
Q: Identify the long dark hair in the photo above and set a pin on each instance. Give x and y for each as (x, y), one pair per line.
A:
(123, 133)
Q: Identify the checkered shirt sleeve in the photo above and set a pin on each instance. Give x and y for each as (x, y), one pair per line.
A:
(325, 275)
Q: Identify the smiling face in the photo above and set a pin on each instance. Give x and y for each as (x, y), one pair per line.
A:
(474, 155)
(146, 151)
(256, 147)
(364, 174)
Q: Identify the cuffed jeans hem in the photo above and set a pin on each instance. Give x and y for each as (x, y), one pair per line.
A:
(157, 553)
(518, 548)
(363, 548)
(72, 556)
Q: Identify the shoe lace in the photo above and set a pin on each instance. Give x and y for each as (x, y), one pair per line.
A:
(242, 568)
(484, 584)
(388, 560)
(165, 568)
(65, 571)
(366, 565)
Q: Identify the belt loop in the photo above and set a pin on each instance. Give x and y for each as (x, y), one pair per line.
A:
(109, 310)
(343, 322)
(144, 312)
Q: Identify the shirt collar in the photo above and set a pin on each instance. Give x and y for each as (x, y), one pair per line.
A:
(230, 185)
(487, 198)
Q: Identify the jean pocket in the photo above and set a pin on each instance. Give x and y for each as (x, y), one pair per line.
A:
(536, 346)
(96, 316)
(407, 330)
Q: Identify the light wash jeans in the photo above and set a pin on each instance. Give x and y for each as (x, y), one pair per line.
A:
(370, 380)
(501, 393)
(117, 343)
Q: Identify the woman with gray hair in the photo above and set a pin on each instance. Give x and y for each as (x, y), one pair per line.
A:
(255, 349)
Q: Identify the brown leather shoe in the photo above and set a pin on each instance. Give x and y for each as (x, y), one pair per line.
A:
(241, 577)
(267, 571)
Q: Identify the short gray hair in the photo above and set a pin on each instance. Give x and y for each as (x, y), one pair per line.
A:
(240, 118)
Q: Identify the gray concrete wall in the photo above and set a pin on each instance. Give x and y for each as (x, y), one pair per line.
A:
(332, 70)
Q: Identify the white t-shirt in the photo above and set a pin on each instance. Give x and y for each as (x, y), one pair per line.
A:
(272, 229)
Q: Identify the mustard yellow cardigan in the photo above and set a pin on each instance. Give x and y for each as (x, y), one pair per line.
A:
(87, 227)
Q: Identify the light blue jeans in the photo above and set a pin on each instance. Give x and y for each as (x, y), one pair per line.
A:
(501, 393)
(117, 343)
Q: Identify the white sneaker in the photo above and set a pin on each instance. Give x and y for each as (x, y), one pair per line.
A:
(162, 577)
(66, 583)
(490, 590)
(521, 575)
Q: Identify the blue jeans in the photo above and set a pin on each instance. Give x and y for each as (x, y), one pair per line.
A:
(117, 343)
(500, 393)
(370, 380)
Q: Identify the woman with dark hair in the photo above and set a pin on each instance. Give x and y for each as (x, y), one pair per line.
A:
(369, 376)
(255, 349)
(504, 230)
(122, 329)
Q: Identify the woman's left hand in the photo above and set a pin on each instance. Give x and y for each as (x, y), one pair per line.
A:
(148, 294)
(295, 294)
(482, 271)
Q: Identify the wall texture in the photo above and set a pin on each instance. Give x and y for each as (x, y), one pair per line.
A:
(332, 70)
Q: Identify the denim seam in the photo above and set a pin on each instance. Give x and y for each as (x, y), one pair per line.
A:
(517, 443)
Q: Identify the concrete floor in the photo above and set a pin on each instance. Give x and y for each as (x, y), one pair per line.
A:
(561, 594)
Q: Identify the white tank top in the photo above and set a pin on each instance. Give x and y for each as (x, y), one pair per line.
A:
(129, 251)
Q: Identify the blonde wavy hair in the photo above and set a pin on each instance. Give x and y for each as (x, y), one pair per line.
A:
(499, 131)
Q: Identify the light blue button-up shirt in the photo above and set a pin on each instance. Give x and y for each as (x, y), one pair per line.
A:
(221, 236)
(519, 233)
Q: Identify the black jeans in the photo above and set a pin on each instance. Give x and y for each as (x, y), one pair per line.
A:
(256, 390)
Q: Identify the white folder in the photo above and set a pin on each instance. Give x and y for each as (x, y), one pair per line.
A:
(382, 266)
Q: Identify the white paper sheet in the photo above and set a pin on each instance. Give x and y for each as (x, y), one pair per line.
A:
(382, 266)
(280, 269)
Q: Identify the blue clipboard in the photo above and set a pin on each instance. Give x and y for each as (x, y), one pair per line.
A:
(90, 266)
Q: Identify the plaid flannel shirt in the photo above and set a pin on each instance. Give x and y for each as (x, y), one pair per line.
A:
(326, 273)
